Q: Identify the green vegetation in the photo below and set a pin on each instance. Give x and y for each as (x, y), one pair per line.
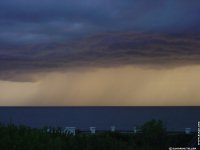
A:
(153, 136)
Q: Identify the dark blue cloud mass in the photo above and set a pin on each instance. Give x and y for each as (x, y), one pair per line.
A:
(100, 50)
(33, 21)
(38, 35)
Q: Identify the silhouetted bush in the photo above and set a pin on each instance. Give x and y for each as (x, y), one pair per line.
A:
(153, 136)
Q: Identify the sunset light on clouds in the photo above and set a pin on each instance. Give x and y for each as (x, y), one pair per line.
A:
(122, 86)
(99, 53)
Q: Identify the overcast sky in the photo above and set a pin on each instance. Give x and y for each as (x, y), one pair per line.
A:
(30, 21)
(99, 52)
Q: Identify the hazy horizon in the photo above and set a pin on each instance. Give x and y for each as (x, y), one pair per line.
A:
(123, 118)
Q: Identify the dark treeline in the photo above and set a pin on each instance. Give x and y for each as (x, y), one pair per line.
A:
(152, 137)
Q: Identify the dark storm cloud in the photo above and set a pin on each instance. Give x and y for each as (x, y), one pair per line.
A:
(37, 20)
(44, 34)
(49, 20)
(101, 50)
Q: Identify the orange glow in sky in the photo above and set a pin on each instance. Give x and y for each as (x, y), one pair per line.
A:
(117, 86)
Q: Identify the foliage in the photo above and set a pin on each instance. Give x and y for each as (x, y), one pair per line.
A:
(25, 138)
(154, 134)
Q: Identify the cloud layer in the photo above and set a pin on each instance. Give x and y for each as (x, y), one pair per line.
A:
(102, 50)
(36, 21)
(106, 52)
(123, 86)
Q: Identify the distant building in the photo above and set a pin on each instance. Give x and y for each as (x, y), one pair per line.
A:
(48, 130)
(112, 128)
(70, 130)
(135, 129)
(187, 130)
(93, 130)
